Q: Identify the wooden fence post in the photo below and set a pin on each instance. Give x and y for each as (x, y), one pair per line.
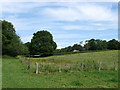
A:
(82, 65)
(99, 65)
(115, 66)
(36, 68)
(28, 66)
(59, 68)
(93, 64)
(28, 63)
(20, 59)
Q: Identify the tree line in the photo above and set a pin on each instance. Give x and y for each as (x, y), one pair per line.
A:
(11, 43)
(42, 43)
(92, 44)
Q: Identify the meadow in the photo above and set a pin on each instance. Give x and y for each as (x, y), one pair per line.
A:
(72, 75)
(75, 62)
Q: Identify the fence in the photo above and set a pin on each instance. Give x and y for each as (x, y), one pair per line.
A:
(60, 67)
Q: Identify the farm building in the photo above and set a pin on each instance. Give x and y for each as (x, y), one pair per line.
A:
(75, 50)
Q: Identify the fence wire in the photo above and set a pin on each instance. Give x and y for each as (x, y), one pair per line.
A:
(58, 67)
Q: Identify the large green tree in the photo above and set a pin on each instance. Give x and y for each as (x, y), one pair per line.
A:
(95, 44)
(0, 39)
(11, 43)
(92, 44)
(28, 44)
(118, 45)
(77, 47)
(113, 44)
(42, 43)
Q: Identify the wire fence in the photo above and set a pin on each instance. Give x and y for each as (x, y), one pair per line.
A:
(50, 67)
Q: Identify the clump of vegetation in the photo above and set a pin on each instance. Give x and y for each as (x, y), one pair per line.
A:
(41, 44)
(90, 46)
(11, 43)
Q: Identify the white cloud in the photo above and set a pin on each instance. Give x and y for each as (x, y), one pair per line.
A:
(63, 14)
(26, 38)
(0, 11)
(98, 24)
(59, 47)
(26, 24)
(72, 12)
(83, 11)
(20, 7)
(68, 36)
(19, 24)
(96, 12)
(73, 27)
(64, 44)
(90, 27)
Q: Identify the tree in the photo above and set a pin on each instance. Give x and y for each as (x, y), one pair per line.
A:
(11, 43)
(77, 47)
(86, 46)
(42, 43)
(101, 44)
(104, 45)
(113, 44)
(69, 49)
(95, 44)
(91, 45)
(118, 45)
(0, 39)
(28, 45)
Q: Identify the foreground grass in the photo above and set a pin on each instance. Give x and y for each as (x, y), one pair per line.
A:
(15, 75)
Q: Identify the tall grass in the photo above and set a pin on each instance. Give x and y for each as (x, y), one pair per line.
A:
(75, 62)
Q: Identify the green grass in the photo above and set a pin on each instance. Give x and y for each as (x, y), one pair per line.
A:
(96, 56)
(15, 74)
(91, 60)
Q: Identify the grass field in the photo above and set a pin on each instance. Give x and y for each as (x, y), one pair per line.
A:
(15, 74)
(72, 62)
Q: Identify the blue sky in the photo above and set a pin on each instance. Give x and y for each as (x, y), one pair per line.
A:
(69, 22)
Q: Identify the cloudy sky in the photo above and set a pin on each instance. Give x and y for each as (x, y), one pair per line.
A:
(69, 22)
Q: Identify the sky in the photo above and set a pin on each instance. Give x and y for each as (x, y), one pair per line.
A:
(68, 22)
